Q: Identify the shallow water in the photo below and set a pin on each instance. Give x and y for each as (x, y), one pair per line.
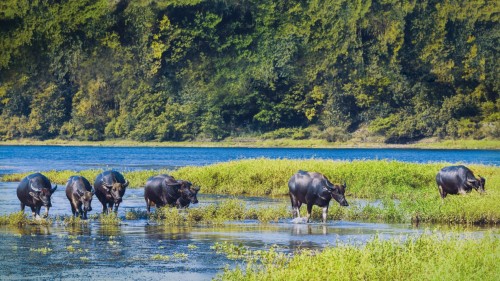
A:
(126, 252)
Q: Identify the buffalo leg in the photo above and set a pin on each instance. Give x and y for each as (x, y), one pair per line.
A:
(80, 211)
(116, 208)
(309, 210)
(325, 211)
(33, 211)
(22, 207)
(148, 207)
(441, 192)
(84, 215)
(104, 208)
(110, 207)
(295, 206)
(73, 210)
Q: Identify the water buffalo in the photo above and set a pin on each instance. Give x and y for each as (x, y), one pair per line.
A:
(109, 188)
(314, 189)
(164, 190)
(79, 193)
(458, 180)
(35, 191)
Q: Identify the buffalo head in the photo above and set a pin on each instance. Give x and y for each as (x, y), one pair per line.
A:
(186, 191)
(42, 194)
(115, 190)
(482, 183)
(477, 183)
(337, 192)
(86, 199)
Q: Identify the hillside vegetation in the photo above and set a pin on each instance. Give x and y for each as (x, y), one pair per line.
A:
(174, 70)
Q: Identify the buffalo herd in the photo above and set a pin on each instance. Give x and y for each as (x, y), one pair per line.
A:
(309, 188)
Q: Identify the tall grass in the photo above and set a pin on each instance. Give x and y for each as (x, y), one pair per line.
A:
(412, 184)
(424, 258)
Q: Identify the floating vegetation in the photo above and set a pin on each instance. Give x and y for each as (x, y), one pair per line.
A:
(180, 256)
(44, 250)
(192, 247)
(159, 257)
(70, 248)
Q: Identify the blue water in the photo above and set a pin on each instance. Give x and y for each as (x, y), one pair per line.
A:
(41, 158)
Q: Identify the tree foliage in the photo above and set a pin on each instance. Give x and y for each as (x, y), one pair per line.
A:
(186, 69)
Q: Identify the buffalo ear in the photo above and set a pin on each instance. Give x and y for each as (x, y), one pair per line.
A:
(34, 195)
(53, 189)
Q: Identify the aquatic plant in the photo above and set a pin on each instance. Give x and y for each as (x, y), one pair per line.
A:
(17, 218)
(135, 214)
(159, 257)
(180, 256)
(109, 219)
(74, 221)
(43, 250)
(216, 214)
(427, 257)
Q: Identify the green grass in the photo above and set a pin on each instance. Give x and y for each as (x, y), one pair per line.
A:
(227, 210)
(427, 257)
(411, 184)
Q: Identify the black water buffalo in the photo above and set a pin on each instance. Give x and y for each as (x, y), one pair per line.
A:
(79, 193)
(35, 191)
(109, 188)
(314, 189)
(458, 180)
(164, 190)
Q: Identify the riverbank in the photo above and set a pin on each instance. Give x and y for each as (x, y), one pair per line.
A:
(262, 143)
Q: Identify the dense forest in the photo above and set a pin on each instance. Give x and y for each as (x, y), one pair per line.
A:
(173, 70)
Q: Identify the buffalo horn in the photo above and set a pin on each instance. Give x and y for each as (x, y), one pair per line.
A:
(33, 188)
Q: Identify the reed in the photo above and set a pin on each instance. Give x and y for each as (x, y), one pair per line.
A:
(427, 257)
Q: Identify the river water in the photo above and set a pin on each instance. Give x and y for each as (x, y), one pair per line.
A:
(41, 158)
(126, 252)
